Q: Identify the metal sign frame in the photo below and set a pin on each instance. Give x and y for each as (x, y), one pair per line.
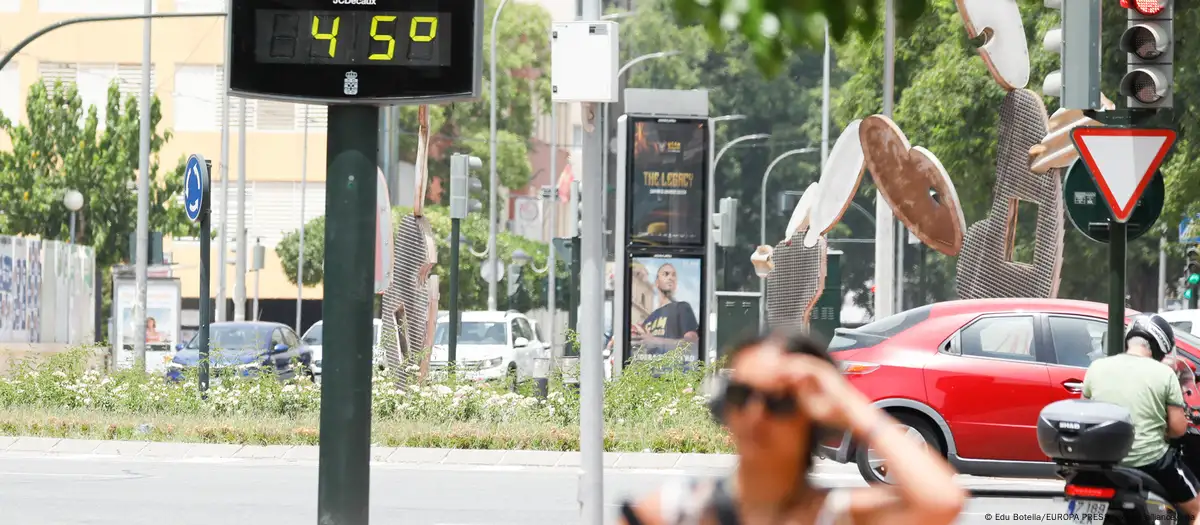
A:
(236, 60)
(623, 252)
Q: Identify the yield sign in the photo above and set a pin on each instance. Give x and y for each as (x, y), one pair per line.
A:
(1122, 161)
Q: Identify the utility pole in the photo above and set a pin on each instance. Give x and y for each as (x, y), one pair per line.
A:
(223, 226)
(551, 257)
(239, 283)
(303, 201)
(885, 223)
(142, 257)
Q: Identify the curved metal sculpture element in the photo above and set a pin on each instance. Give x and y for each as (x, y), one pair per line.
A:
(1005, 50)
(986, 268)
(914, 184)
(410, 303)
(795, 283)
(838, 184)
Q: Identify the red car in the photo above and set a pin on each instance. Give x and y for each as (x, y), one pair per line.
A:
(970, 377)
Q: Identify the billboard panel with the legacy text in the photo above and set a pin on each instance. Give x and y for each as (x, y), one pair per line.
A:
(668, 162)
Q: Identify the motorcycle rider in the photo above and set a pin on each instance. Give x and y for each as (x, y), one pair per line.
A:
(1139, 382)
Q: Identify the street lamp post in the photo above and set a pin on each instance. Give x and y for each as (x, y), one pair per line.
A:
(493, 182)
(762, 226)
(73, 200)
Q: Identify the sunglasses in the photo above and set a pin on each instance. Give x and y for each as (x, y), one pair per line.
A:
(739, 395)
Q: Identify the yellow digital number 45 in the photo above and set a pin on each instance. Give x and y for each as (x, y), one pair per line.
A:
(391, 41)
(330, 36)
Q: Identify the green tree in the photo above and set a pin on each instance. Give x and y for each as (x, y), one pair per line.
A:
(774, 29)
(472, 289)
(62, 147)
(522, 92)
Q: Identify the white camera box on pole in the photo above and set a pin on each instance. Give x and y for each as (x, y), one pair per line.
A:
(584, 61)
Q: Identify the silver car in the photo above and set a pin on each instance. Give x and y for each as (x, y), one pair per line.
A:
(314, 338)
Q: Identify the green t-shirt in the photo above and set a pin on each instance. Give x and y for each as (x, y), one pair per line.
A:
(1145, 388)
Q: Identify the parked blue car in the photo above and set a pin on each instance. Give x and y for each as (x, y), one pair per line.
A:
(245, 349)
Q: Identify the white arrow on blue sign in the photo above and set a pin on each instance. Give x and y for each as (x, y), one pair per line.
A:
(195, 187)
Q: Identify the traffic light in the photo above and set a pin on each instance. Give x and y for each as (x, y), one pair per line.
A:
(1192, 293)
(1077, 42)
(463, 185)
(726, 221)
(1149, 41)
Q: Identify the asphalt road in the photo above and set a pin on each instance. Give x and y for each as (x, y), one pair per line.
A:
(95, 490)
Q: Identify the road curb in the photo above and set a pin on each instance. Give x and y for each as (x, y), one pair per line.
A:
(401, 455)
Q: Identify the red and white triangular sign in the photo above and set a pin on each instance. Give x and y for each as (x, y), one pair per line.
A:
(1122, 161)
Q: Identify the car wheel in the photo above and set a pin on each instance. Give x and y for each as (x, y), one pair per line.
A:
(871, 465)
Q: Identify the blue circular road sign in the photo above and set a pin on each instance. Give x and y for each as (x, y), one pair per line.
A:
(195, 187)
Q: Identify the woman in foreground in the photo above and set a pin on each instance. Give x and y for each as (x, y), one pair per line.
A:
(785, 392)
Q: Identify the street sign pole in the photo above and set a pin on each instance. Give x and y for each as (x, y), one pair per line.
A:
(344, 481)
(196, 188)
(1116, 287)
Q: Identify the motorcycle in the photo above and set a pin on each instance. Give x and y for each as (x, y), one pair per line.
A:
(1088, 439)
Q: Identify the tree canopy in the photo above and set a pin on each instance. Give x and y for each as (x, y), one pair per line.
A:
(61, 147)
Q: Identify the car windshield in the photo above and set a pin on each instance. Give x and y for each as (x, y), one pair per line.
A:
(313, 335)
(232, 338)
(473, 333)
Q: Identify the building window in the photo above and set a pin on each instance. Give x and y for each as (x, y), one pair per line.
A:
(200, 94)
(10, 6)
(194, 100)
(105, 7)
(93, 81)
(10, 92)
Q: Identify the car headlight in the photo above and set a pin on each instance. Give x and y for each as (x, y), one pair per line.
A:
(247, 367)
(493, 362)
(174, 366)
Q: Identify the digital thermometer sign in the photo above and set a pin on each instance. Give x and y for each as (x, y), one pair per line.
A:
(356, 51)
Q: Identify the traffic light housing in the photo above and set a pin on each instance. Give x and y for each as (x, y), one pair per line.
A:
(1077, 42)
(1149, 41)
(726, 221)
(463, 186)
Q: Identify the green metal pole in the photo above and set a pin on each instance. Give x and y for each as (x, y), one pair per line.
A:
(573, 314)
(344, 481)
(1116, 287)
(1192, 303)
(453, 339)
(205, 293)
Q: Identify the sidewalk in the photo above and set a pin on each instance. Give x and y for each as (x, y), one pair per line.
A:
(426, 456)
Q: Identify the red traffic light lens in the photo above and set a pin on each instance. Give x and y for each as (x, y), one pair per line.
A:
(1145, 7)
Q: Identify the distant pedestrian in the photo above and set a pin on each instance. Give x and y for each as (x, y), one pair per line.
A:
(784, 394)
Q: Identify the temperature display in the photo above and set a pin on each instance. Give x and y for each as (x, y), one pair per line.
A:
(352, 38)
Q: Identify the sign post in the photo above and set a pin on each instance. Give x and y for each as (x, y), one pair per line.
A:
(196, 186)
(1123, 162)
(353, 56)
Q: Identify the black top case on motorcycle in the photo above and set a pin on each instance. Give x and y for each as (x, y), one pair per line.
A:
(1080, 431)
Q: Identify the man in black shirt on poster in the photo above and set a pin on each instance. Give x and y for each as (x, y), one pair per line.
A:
(672, 325)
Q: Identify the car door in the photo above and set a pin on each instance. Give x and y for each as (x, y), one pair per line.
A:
(1077, 341)
(987, 382)
(520, 353)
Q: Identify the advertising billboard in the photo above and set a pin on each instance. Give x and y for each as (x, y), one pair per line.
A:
(162, 322)
(667, 183)
(665, 305)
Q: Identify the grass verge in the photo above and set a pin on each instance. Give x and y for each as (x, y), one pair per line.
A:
(303, 430)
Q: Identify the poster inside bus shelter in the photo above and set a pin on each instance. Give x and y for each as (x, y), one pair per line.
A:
(665, 308)
(669, 159)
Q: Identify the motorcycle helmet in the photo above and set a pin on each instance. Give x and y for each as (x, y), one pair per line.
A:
(1156, 330)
